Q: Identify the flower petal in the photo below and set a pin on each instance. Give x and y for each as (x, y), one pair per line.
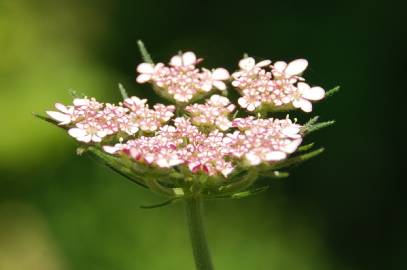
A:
(111, 149)
(247, 63)
(63, 108)
(81, 102)
(263, 63)
(142, 78)
(291, 131)
(306, 106)
(296, 67)
(145, 68)
(176, 61)
(77, 132)
(220, 85)
(188, 58)
(302, 87)
(275, 155)
(253, 158)
(291, 147)
(297, 103)
(220, 74)
(60, 117)
(280, 66)
(314, 93)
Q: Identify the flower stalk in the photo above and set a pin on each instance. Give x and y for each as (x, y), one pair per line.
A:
(200, 249)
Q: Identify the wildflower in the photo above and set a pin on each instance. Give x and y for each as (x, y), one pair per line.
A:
(87, 132)
(277, 86)
(304, 94)
(214, 113)
(182, 80)
(206, 139)
(287, 71)
(204, 152)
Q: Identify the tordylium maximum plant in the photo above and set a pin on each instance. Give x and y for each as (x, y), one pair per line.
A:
(202, 145)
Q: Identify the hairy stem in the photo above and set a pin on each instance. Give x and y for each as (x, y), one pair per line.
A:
(197, 233)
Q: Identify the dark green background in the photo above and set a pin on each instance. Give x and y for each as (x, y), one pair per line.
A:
(343, 210)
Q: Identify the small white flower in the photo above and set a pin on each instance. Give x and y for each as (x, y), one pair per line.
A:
(294, 68)
(186, 59)
(147, 71)
(249, 63)
(250, 102)
(305, 94)
(87, 132)
(64, 116)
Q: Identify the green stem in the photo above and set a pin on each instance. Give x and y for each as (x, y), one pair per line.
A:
(197, 233)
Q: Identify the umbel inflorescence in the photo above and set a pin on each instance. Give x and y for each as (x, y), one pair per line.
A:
(201, 142)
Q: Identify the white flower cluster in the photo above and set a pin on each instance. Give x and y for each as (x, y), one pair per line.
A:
(91, 121)
(206, 138)
(278, 86)
(181, 79)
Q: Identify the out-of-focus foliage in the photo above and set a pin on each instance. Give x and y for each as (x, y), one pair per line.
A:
(43, 49)
(59, 211)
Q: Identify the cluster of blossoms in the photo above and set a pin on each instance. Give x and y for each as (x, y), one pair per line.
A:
(205, 137)
(182, 80)
(279, 87)
(214, 112)
(91, 121)
(183, 142)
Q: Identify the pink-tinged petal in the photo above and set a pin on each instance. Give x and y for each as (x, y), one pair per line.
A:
(247, 63)
(111, 149)
(297, 103)
(81, 102)
(242, 102)
(280, 66)
(290, 131)
(62, 118)
(145, 68)
(275, 156)
(251, 107)
(175, 161)
(176, 61)
(236, 83)
(142, 78)
(207, 86)
(86, 138)
(223, 123)
(302, 87)
(220, 85)
(101, 133)
(263, 63)
(63, 108)
(189, 58)
(237, 74)
(77, 132)
(163, 163)
(314, 93)
(220, 74)
(306, 106)
(96, 138)
(149, 158)
(253, 158)
(215, 99)
(194, 166)
(296, 67)
(291, 147)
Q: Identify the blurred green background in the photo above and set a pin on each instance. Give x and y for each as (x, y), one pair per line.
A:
(343, 210)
